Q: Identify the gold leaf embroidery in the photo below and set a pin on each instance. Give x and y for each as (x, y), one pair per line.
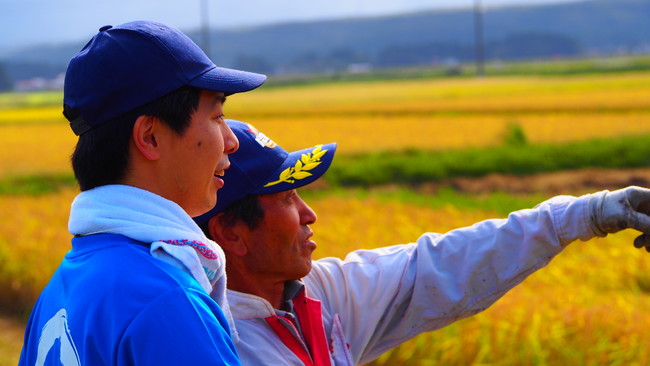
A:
(306, 162)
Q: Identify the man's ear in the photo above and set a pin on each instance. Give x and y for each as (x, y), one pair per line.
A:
(144, 136)
(231, 239)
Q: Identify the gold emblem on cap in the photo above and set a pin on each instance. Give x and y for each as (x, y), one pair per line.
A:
(300, 170)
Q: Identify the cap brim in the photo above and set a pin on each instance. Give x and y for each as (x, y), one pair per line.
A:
(299, 169)
(227, 80)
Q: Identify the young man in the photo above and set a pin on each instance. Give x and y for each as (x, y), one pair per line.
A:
(142, 285)
(289, 310)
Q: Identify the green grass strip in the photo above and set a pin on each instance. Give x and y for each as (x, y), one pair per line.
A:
(31, 99)
(544, 67)
(415, 166)
(35, 185)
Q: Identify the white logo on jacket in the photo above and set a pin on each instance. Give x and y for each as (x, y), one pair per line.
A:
(57, 328)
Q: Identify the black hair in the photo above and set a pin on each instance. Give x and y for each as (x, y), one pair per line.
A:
(101, 156)
(247, 209)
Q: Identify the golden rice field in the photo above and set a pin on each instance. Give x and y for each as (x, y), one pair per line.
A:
(391, 115)
(587, 308)
(443, 114)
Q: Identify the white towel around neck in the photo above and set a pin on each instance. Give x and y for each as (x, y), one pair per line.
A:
(144, 216)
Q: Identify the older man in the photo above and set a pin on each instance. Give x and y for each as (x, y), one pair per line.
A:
(289, 310)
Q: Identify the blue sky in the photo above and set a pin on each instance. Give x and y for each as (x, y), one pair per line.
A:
(38, 22)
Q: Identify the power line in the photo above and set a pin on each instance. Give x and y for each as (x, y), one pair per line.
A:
(478, 34)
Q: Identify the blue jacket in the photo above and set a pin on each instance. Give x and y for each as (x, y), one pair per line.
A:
(111, 303)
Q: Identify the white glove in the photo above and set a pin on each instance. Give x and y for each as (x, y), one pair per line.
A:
(627, 208)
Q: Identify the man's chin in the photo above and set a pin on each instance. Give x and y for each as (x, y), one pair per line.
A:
(306, 270)
(206, 205)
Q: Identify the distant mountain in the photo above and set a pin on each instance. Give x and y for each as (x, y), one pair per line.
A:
(566, 29)
(576, 28)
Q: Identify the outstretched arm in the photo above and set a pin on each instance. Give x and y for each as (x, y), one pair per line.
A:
(388, 295)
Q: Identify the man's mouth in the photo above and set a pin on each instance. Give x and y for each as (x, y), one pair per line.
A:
(222, 172)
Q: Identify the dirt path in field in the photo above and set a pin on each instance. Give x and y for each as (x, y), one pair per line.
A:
(564, 182)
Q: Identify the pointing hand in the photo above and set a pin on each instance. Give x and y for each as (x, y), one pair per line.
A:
(625, 208)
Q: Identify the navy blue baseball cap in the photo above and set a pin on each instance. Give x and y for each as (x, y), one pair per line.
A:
(261, 166)
(126, 66)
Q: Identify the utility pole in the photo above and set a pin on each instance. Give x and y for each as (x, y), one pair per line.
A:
(205, 27)
(478, 35)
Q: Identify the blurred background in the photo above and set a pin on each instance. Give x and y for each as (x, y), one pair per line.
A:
(37, 38)
(447, 112)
